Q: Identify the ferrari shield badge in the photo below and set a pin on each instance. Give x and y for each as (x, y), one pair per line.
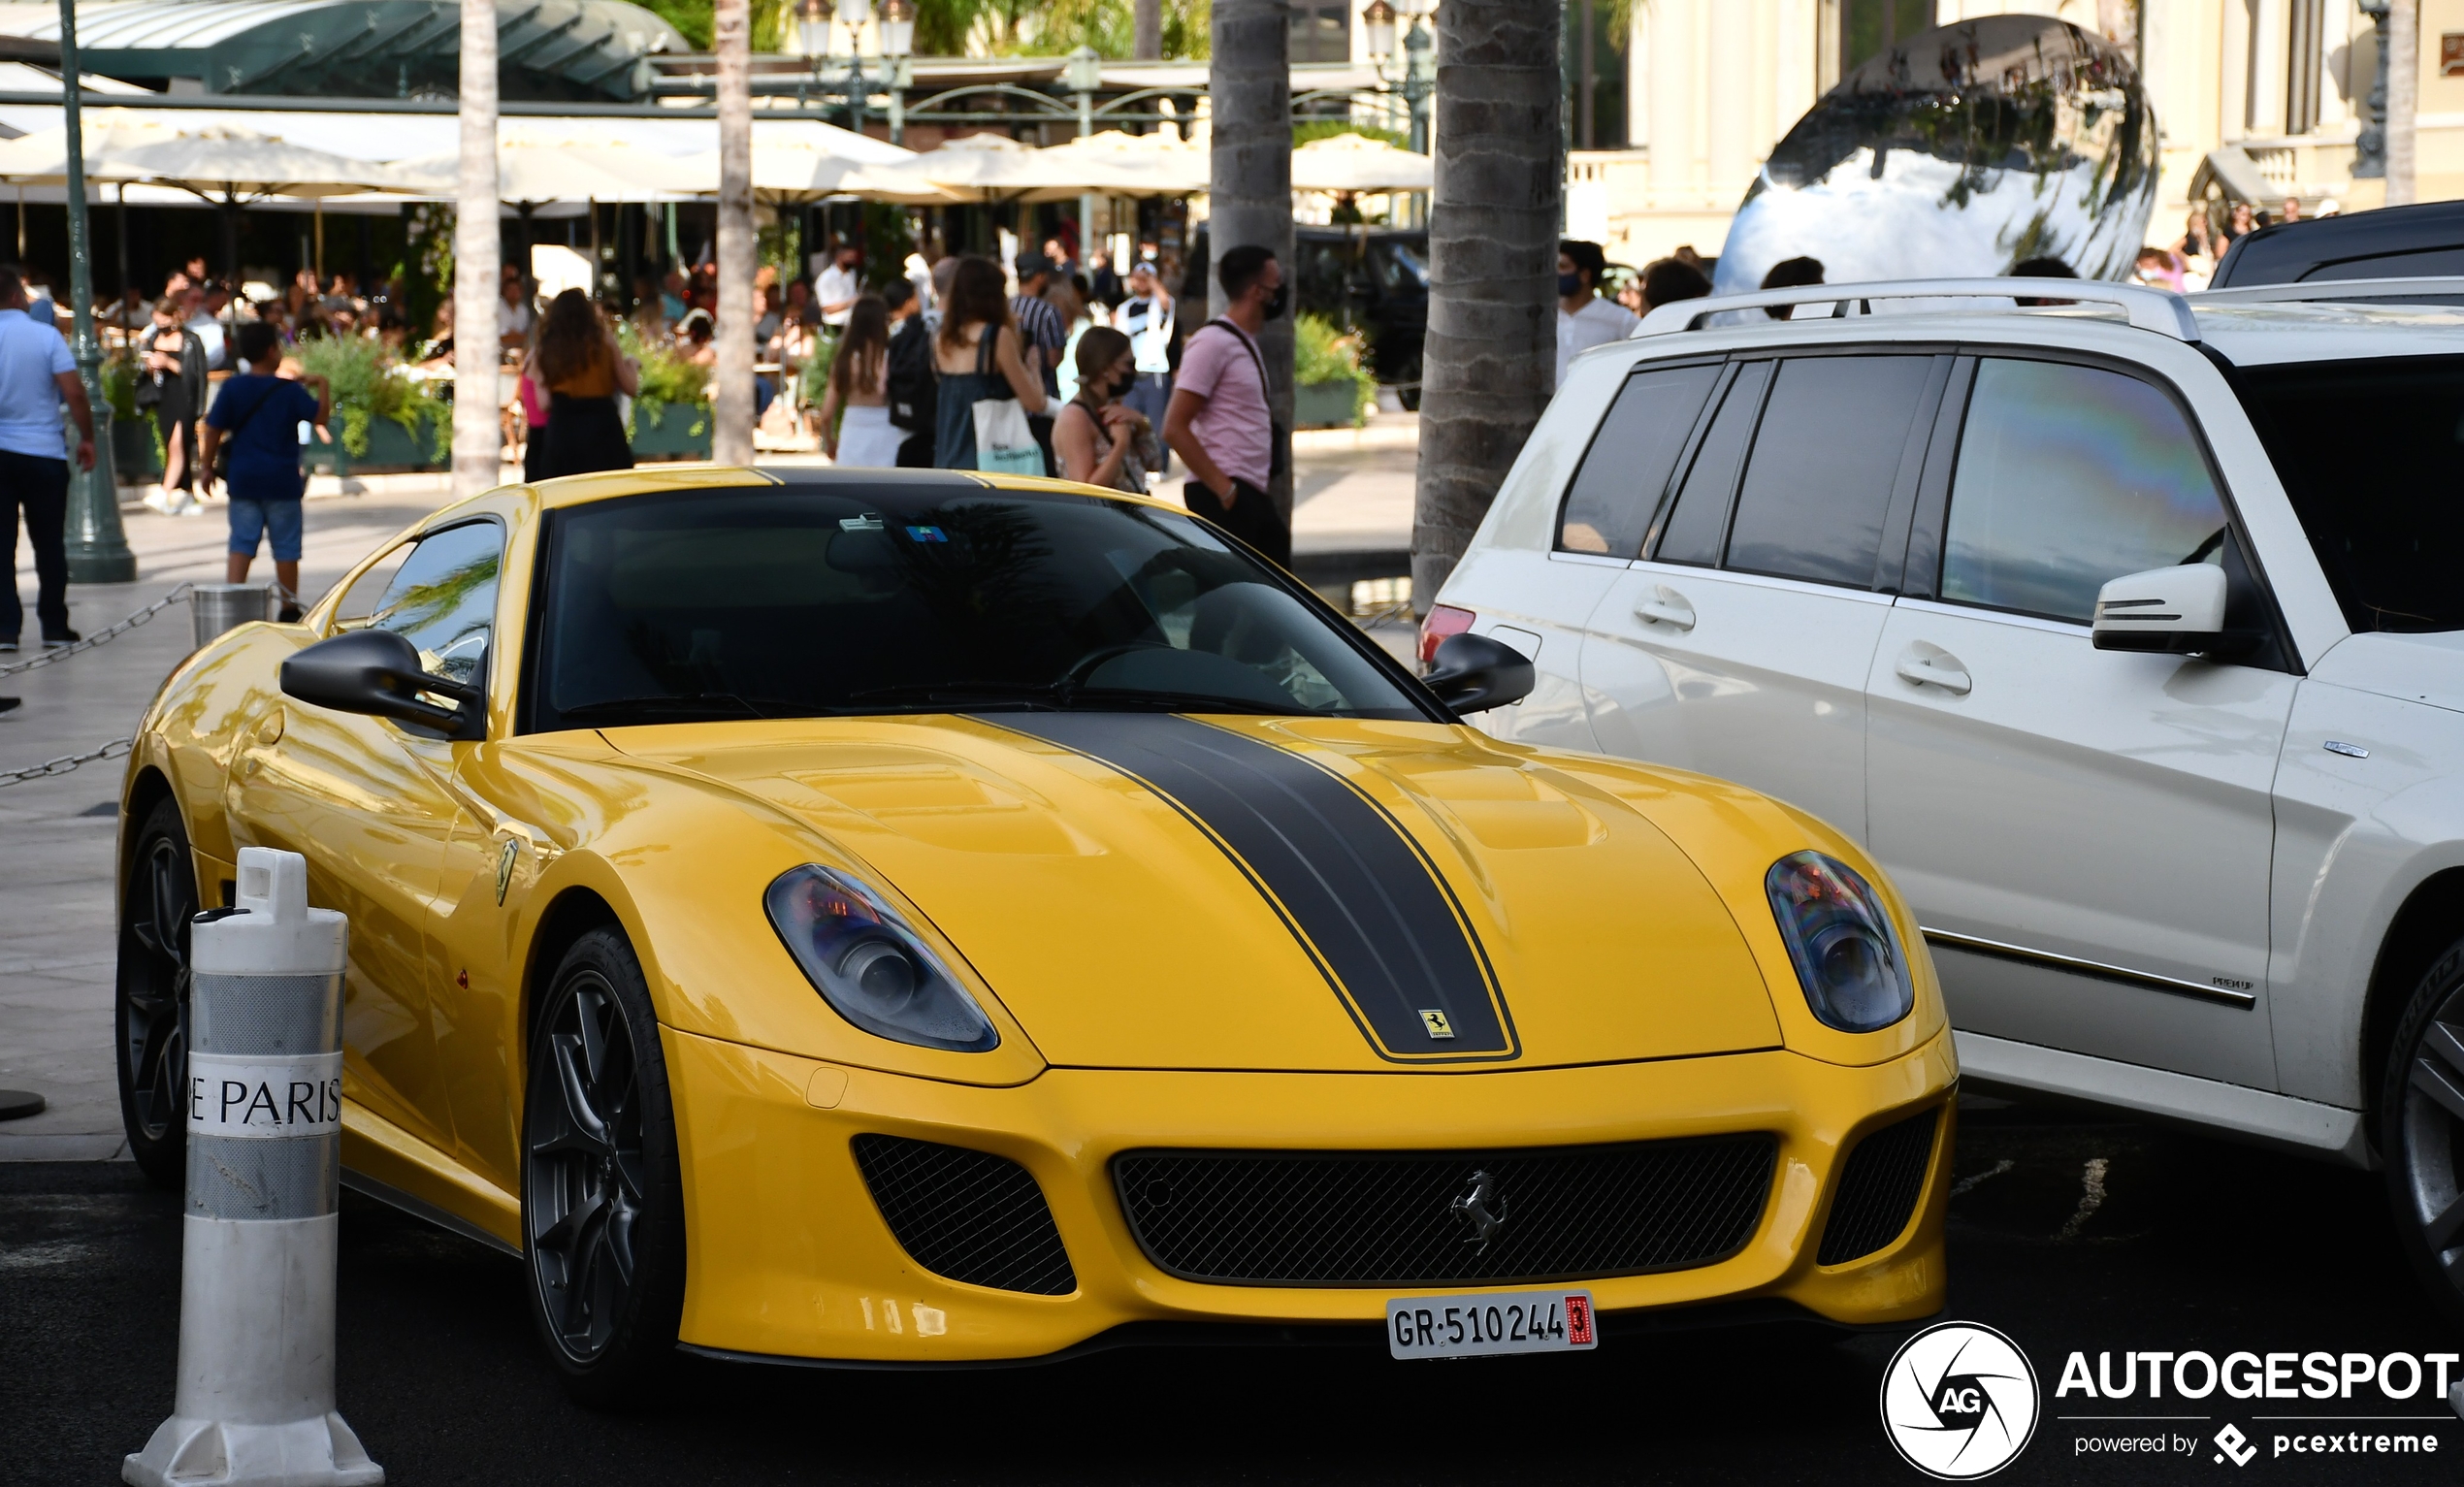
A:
(1434, 1020)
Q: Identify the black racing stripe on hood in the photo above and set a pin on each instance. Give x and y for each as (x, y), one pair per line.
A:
(1358, 893)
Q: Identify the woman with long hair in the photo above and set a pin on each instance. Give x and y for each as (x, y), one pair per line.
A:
(977, 354)
(860, 387)
(582, 370)
(1102, 441)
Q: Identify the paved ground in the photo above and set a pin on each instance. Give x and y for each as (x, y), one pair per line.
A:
(2193, 1245)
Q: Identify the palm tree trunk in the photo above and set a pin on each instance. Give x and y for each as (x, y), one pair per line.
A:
(478, 441)
(1490, 362)
(1147, 29)
(2404, 98)
(731, 405)
(1251, 185)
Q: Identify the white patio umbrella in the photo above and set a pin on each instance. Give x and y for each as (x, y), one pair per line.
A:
(803, 169)
(994, 168)
(1118, 163)
(226, 168)
(1353, 162)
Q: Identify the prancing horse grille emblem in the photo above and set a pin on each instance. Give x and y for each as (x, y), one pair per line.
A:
(1481, 1208)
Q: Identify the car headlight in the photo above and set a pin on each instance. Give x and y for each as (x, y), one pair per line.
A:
(1848, 958)
(873, 969)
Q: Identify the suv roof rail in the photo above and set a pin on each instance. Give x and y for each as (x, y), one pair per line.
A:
(2332, 290)
(2160, 311)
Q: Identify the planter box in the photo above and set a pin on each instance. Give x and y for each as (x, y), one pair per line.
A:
(391, 449)
(1323, 406)
(133, 458)
(680, 433)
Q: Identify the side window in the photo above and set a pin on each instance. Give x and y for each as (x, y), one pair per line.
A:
(443, 597)
(359, 601)
(1819, 483)
(1700, 516)
(2069, 478)
(1616, 491)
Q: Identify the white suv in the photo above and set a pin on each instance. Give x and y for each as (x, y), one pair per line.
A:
(2128, 635)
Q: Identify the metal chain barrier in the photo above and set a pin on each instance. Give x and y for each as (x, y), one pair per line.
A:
(179, 594)
(115, 749)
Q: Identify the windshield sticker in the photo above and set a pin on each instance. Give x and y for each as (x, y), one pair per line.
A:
(927, 534)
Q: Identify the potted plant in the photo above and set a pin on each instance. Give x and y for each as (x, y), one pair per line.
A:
(1331, 388)
(137, 445)
(670, 417)
(383, 420)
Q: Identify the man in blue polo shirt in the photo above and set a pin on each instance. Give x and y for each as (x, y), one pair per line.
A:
(37, 374)
(259, 415)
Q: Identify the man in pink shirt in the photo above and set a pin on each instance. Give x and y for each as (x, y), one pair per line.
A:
(1220, 422)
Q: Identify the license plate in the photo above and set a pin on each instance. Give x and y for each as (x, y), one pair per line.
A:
(1482, 1326)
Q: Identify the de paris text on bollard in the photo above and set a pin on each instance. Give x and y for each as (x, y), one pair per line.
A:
(265, 1132)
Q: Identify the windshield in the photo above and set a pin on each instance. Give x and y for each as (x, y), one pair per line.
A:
(923, 597)
(2369, 452)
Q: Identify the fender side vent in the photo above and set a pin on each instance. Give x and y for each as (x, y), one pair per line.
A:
(967, 1215)
(1879, 1186)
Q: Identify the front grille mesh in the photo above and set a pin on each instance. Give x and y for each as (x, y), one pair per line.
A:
(1878, 1189)
(1389, 1219)
(968, 1216)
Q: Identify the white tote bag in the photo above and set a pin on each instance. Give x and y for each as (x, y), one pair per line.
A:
(1004, 445)
(1151, 345)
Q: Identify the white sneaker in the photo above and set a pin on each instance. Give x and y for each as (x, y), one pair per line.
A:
(157, 500)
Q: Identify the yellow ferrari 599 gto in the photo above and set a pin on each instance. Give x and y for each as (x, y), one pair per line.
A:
(920, 917)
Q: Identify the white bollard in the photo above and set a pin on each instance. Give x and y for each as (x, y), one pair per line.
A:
(265, 1136)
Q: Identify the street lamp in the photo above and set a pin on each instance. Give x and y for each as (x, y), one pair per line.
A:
(1380, 19)
(853, 16)
(812, 29)
(897, 42)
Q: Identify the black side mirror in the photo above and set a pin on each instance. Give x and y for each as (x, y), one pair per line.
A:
(1474, 673)
(377, 672)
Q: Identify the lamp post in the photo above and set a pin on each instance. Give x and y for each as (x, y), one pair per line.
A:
(1378, 19)
(897, 44)
(812, 34)
(852, 16)
(97, 548)
(1084, 74)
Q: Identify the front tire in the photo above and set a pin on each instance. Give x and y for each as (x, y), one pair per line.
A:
(2421, 1131)
(602, 1202)
(149, 1005)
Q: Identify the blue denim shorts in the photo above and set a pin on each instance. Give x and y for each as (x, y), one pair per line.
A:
(278, 520)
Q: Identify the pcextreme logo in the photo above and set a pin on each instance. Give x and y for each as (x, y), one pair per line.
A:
(1960, 1401)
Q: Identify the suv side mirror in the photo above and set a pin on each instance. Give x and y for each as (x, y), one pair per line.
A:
(2177, 611)
(1474, 673)
(377, 672)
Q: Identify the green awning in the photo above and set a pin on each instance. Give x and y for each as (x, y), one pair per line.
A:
(549, 50)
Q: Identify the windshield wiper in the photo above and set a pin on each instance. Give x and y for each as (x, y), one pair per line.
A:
(1064, 695)
(706, 704)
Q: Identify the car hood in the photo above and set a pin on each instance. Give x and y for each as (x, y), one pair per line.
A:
(2411, 668)
(1155, 891)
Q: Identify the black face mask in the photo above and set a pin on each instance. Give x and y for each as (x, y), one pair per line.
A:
(1279, 301)
(1568, 285)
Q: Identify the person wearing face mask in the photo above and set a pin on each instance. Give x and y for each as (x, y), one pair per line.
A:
(1100, 440)
(1585, 320)
(1219, 421)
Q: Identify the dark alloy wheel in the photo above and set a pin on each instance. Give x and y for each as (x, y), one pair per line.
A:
(2422, 1130)
(149, 1010)
(602, 1215)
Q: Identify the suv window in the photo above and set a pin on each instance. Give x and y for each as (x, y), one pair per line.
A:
(1701, 517)
(443, 597)
(2069, 478)
(1823, 468)
(1618, 487)
(2368, 451)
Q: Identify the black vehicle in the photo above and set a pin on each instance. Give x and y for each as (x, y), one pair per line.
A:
(2420, 242)
(1370, 278)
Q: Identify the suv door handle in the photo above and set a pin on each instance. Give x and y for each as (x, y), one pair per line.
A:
(1665, 606)
(1929, 666)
